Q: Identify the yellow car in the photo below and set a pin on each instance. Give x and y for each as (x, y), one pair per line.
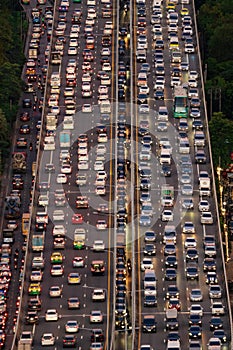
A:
(74, 278)
(184, 12)
(34, 289)
(171, 6)
(56, 258)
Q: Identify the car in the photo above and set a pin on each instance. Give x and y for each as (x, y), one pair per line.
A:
(203, 205)
(74, 278)
(98, 246)
(215, 323)
(47, 339)
(149, 249)
(58, 215)
(190, 242)
(145, 220)
(56, 258)
(191, 254)
(188, 227)
(57, 270)
(174, 303)
(78, 261)
(72, 326)
(34, 288)
(31, 318)
(214, 344)
(96, 316)
(206, 218)
(170, 274)
(77, 219)
(215, 291)
(149, 324)
(69, 341)
(192, 272)
(61, 179)
(51, 315)
(196, 295)
(195, 331)
(98, 295)
(55, 291)
(220, 334)
(101, 225)
(195, 319)
(36, 276)
(167, 215)
(169, 249)
(217, 308)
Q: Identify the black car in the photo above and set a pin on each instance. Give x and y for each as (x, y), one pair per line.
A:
(166, 170)
(159, 94)
(34, 304)
(171, 261)
(195, 320)
(170, 274)
(195, 332)
(27, 103)
(172, 291)
(150, 301)
(31, 317)
(149, 324)
(200, 156)
(149, 249)
(216, 323)
(69, 341)
(97, 335)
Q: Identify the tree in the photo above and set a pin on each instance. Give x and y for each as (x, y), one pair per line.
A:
(221, 135)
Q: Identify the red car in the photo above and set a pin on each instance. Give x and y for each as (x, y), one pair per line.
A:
(77, 219)
(174, 303)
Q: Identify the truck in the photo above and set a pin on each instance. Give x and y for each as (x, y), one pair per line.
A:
(51, 122)
(167, 196)
(19, 164)
(171, 319)
(79, 238)
(12, 208)
(121, 245)
(64, 139)
(204, 184)
(38, 241)
(25, 223)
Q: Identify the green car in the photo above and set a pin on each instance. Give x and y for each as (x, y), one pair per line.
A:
(76, 1)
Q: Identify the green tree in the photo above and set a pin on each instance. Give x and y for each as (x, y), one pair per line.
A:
(221, 135)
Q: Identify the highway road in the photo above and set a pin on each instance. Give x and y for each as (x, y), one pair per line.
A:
(85, 123)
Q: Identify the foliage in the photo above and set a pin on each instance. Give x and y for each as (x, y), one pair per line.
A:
(221, 135)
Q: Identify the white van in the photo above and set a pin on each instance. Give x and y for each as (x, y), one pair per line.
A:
(49, 143)
(68, 122)
(163, 114)
(149, 278)
(165, 157)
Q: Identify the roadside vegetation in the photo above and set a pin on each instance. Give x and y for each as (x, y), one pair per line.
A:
(215, 20)
(12, 28)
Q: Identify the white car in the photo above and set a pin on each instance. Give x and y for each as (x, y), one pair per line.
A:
(83, 165)
(204, 205)
(87, 108)
(100, 190)
(101, 225)
(189, 48)
(96, 316)
(59, 230)
(98, 295)
(86, 78)
(73, 42)
(190, 242)
(217, 308)
(214, 344)
(146, 264)
(72, 326)
(167, 215)
(51, 315)
(72, 51)
(55, 291)
(105, 51)
(36, 276)
(196, 309)
(102, 137)
(78, 261)
(98, 246)
(207, 218)
(47, 339)
(58, 215)
(61, 179)
(43, 200)
(98, 165)
(56, 270)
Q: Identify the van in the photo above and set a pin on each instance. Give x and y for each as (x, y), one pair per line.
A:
(49, 143)
(173, 345)
(176, 56)
(184, 147)
(199, 139)
(149, 278)
(165, 157)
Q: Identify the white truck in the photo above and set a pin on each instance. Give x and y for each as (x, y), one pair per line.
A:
(167, 196)
(51, 122)
(204, 184)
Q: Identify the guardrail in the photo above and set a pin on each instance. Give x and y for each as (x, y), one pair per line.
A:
(19, 318)
(212, 167)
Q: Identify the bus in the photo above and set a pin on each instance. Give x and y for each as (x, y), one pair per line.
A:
(97, 267)
(25, 223)
(180, 107)
(56, 57)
